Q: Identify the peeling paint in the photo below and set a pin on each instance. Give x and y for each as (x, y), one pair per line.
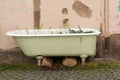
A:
(82, 9)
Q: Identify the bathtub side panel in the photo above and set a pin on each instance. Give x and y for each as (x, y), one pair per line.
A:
(58, 46)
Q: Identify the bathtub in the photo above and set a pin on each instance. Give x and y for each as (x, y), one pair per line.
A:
(56, 42)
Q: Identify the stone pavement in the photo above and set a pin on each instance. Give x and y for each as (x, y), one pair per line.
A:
(61, 75)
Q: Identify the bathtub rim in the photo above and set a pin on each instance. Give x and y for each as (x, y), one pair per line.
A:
(14, 34)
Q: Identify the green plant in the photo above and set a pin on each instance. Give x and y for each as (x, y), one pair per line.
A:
(57, 65)
(18, 67)
(65, 23)
(27, 30)
(41, 26)
(98, 66)
(17, 28)
(79, 31)
(119, 6)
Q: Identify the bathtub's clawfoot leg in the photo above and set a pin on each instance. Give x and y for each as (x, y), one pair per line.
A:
(39, 58)
(83, 57)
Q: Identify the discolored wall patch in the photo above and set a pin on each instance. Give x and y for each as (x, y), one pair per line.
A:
(64, 11)
(65, 21)
(37, 12)
(82, 9)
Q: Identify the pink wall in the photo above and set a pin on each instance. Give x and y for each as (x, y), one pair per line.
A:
(14, 13)
(20, 13)
(51, 13)
(114, 17)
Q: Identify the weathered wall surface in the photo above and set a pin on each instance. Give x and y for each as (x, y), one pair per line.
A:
(114, 46)
(29, 13)
(14, 13)
(114, 29)
(114, 17)
(85, 13)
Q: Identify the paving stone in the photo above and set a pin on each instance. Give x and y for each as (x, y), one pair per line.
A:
(61, 75)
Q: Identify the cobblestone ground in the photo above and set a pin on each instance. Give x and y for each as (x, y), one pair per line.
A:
(61, 75)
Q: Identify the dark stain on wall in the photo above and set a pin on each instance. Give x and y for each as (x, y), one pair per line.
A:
(97, 19)
(37, 15)
(65, 11)
(36, 19)
(82, 9)
(117, 16)
(65, 21)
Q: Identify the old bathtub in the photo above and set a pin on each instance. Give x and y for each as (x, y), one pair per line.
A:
(56, 42)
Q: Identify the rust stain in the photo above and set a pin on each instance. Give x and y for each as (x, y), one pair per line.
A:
(82, 9)
(64, 11)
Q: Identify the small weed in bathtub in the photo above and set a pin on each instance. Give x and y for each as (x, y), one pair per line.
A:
(27, 32)
(78, 31)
